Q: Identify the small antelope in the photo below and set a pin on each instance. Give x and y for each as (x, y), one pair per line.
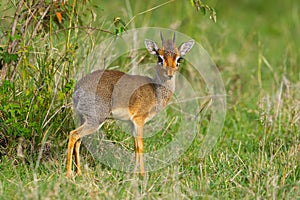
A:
(131, 98)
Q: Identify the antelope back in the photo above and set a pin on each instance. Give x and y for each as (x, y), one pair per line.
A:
(169, 56)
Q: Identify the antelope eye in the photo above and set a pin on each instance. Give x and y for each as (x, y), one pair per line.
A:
(160, 60)
(178, 60)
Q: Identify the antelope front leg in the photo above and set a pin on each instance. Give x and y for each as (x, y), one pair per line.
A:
(140, 154)
(139, 161)
(136, 152)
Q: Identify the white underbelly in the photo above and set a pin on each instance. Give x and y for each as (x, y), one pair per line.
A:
(121, 113)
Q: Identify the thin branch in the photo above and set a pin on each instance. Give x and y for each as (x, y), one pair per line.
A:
(148, 10)
(29, 19)
(14, 69)
(3, 71)
(28, 43)
(84, 27)
(38, 24)
(14, 25)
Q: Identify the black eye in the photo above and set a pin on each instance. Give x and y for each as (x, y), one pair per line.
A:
(178, 61)
(160, 60)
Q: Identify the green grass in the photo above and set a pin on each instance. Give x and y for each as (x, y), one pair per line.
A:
(255, 45)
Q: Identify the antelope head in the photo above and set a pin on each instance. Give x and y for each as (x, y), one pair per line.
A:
(169, 56)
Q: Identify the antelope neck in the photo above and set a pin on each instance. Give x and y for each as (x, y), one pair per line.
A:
(164, 89)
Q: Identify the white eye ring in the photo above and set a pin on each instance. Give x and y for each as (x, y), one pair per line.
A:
(178, 59)
(160, 60)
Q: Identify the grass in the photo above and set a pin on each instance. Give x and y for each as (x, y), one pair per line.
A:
(256, 48)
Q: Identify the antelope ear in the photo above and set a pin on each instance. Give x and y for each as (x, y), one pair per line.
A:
(185, 47)
(151, 46)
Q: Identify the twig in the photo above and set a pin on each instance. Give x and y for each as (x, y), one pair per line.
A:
(14, 26)
(29, 19)
(148, 10)
(3, 71)
(85, 27)
(70, 24)
(28, 42)
(38, 24)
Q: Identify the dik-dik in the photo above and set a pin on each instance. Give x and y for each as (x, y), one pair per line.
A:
(131, 98)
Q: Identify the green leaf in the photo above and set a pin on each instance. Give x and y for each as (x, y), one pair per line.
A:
(14, 57)
(68, 86)
(203, 10)
(120, 30)
(192, 3)
(6, 57)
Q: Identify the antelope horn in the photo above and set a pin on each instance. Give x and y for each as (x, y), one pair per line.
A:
(161, 36)
(174, 38)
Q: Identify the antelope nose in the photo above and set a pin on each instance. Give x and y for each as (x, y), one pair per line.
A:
(170, 76)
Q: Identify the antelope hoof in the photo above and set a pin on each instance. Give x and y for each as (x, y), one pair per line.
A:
(69, 174)
(78, 172)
